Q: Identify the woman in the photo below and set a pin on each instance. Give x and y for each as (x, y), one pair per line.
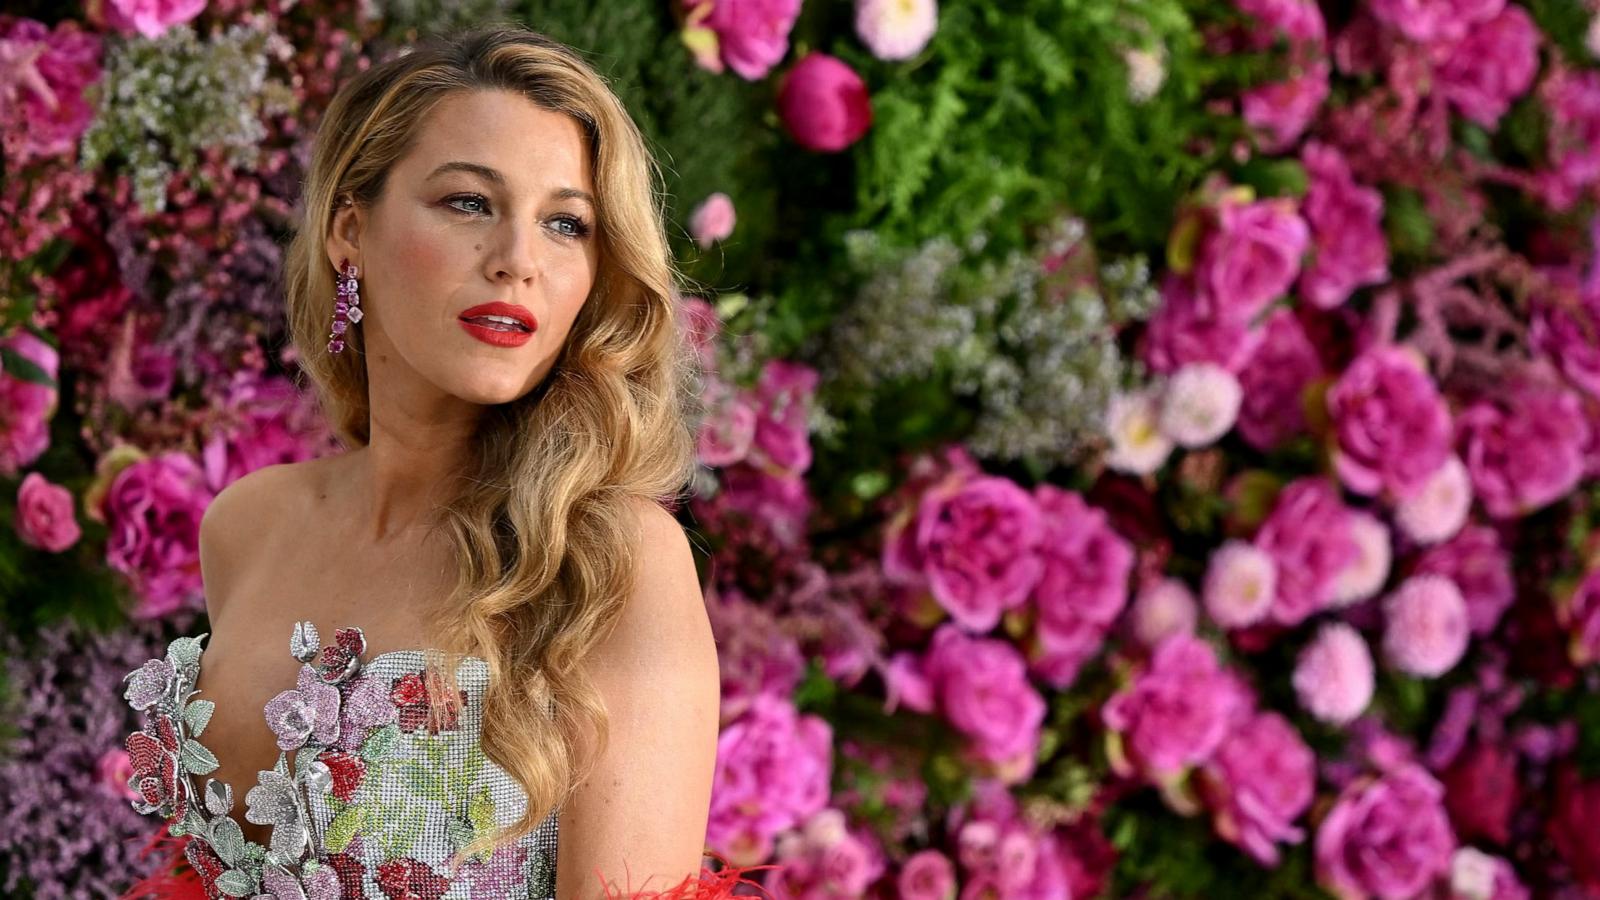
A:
(521, 689)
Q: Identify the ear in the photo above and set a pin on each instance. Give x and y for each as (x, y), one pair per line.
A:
(344, 233)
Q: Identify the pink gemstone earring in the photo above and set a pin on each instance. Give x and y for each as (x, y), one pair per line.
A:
(346, 306)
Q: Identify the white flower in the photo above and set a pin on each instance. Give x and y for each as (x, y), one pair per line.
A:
(1162, 608)
(1472, 874)
(896, 29)
(1200, 403)
(1137, 446)
(1147, 71)
(1439, 506)
(1241, 582)
(1370, 569)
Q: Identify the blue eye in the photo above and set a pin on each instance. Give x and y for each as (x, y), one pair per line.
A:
(470, 198)
(580, 228)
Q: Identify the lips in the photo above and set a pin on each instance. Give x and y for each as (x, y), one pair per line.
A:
(509, 310)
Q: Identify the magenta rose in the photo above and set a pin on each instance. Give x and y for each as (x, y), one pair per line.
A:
(1348, 249)
(1258, 782)
(975, 542)
(1480, 567)
(151, 18)
(44, 517)
(153, 510)
(1280, 112)
(1482, 792)
(1581, 614)
(1575, 822)
(25, 406)
(772, 772)
(1274, 382)
(824, 103)
(753, 35)
(1390, 422)
(729, 427)
(1086, 564)
(51, 69)
(927, 875)
(982, 689)
(1524, 448)
(1249, 257)
(1310, 536)
(1492, 66)
(1388, 837)
(754, 654)
(1434, 20)
(777, 506)
(1175, 713)
(1179, 333)
(1570, 336)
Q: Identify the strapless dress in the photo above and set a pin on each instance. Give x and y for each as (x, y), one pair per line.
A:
(368, 798)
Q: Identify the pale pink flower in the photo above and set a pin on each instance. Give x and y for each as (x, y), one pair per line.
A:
(896, 29)
(1334, 676)
(712, 220)
(1426, 627)
(1241, 582)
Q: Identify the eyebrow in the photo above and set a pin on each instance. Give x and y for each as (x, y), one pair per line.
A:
(494, 176)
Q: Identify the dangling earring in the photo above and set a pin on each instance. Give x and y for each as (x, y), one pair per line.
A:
(346, 306)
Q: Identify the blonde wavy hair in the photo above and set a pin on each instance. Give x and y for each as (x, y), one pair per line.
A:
(544, 527)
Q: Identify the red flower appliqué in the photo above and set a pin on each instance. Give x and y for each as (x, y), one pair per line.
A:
(404, 878)
(155, 766)
(410, 695)
(207, 864)
(347, 769)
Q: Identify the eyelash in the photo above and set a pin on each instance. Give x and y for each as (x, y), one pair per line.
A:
(583, 227)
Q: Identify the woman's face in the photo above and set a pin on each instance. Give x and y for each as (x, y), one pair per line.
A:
(491, 204)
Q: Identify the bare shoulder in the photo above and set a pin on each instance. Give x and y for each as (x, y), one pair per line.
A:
(231, 525)
(667, 585)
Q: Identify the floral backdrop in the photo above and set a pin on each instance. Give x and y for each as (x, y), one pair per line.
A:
(1153, 446)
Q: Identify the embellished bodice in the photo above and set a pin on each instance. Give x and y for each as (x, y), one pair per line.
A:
(371, 795)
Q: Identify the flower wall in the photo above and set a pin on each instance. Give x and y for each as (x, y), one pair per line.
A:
(1152, 448)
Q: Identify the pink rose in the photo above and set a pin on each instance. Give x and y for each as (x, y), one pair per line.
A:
(26, 407)
(927, 875)
(712, 220)
(1259, 781)
(782, 399)
(1309, 534)
(112, 771)
(974, 541)
(824, 103)
(44, 516)
(1391, 424)
(729, 427)
(1480, 568)
(43, 97)
(1249, 257)
(1175, 713)
(153, 510)
(1281, 111)
(1492, 66)
(772, 772)
(1086, 564)
(1180, 333)
(1524, 448)
(1348, 249)
(1387, 837)
(1570, 336)
(1435, 20)
(983, 691)
(752, 35)
(755, 655)
(1274, 382)
(151, 18)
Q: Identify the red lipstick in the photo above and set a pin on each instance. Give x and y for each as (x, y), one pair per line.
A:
(501, 324)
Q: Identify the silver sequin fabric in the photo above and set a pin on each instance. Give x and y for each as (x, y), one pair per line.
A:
(368, 798)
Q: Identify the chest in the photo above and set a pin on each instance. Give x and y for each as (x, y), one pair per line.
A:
(391, 594)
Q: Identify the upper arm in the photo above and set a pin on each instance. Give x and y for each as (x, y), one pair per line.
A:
(640, 815)
(224, 531)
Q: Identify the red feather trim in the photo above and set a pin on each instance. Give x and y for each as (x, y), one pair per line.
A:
(708, 885)
(174, 878)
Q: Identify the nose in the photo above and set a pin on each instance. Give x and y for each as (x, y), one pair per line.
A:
(516, 255)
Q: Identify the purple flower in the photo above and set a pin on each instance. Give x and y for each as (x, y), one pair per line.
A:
(1257, 783)
(152, 511)
(309, 710)
(983, 690)
(1524, 448)
(975, 541)
(1391, 423)
(1346, 219)
(25, 407)
(782, 399)
(364, 705)
(1493, 65)
(1333, 677)
(1275, 380)
(1480, 568)
(1388, 837)
(1175, 713)
(1425, 631)
(755, 655)
(51, 70)
(1180, 333)
(1249, 258)
(772, 771)
(1308, 533)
